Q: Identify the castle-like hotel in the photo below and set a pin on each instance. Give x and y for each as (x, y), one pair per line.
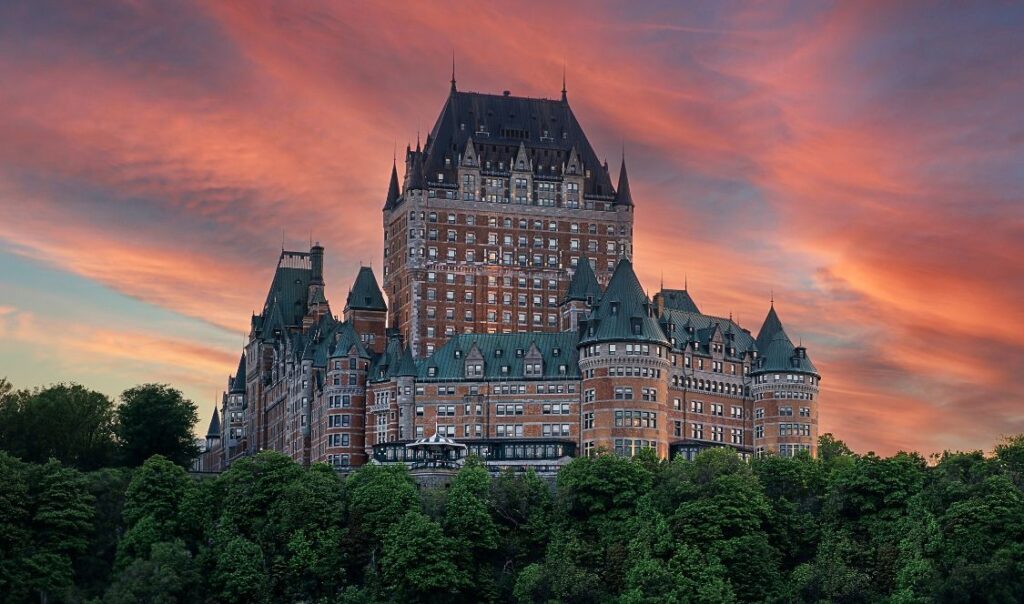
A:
(516, 327)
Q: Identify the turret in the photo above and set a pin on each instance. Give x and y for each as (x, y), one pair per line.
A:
(785, 392)
(624, 413)
(366, 311)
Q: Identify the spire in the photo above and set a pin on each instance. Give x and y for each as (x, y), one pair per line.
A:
(393, 190)
(453, 70)
(565, 98)
(214, 430)
(238, 381)
(622, 195)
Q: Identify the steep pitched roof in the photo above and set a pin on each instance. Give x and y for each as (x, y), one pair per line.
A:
(771, 326)
(499, 125)
(386, 365)
(407, 366)
(779, 354)
(504, 356)
(214, 429)
(677, 299)
(776, 350)
(393, 190)
(238, 381)
(286, 302)
(622, 196)
(584, 285)
(624, 313)
(365, 293)
(345, 337)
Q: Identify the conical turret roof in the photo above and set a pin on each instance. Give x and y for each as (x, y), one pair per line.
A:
(584, 285)
(214, 429)
(393, 189)
(624, 312)
(623, 197)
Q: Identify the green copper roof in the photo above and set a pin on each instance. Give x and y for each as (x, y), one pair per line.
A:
(386, 365)
(777, 352)
(584, 285)
(677, 299)
(771, 326)
(407, 367)
(288, 290)
(365, 294)
(695, 327)
(624, 313)
(345, 337)
(504, 356)
(780, 355)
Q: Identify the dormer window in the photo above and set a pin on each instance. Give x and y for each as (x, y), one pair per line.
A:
(636, 325)
(556, 352)
(519, 353)
(614, 308)
(431, 371)
(497, 352)
(458, 354)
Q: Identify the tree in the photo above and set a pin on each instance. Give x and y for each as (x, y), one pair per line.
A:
(155, 419)
(168, 575)
(66, 422)
(152, 508)
(416, 562)
(61, 512)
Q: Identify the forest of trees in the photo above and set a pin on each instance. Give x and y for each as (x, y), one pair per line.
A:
(840, 528)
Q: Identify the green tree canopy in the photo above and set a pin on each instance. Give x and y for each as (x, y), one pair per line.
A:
(66, 422)
(155, 419)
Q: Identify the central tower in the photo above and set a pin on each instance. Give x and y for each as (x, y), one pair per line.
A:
(492, 217)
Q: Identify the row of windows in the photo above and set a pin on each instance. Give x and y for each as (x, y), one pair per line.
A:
(502, 389)
(522, 223)
(707, 385)
(789, 377)
(635, 419)
(597, 350)
(628, 447)
(782, 394)
(783, 411)
(507, 258)
(647, 372)
(339, 421)
(494, 281)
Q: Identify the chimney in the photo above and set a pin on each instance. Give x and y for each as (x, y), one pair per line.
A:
(316, 258)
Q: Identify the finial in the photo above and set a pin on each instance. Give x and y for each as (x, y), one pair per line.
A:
(773, 297)
(564, 95)
(453, 70)
(686, 282)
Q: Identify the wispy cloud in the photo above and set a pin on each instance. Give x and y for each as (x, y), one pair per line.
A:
(852, 158)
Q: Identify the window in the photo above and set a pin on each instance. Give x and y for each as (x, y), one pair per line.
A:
(588, 421)
(697, 406)
(623, 393)
(697, 431)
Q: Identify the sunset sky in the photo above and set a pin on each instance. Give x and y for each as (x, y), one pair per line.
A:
(864, 161)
